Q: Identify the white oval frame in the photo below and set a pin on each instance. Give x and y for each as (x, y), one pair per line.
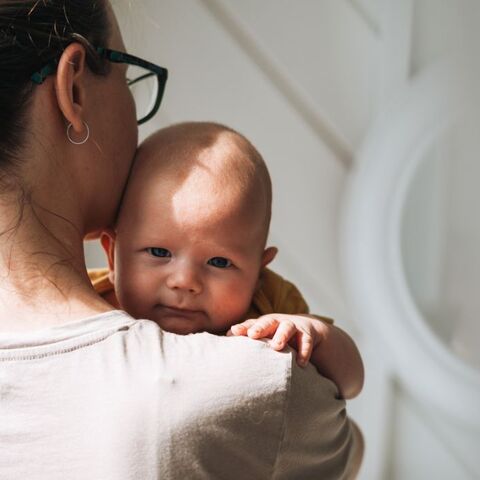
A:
(371, 260)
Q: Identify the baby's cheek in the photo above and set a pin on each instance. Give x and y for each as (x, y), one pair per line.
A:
(234, 306)
(133, 294)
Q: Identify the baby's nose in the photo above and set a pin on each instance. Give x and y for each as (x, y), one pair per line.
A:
(186, 278)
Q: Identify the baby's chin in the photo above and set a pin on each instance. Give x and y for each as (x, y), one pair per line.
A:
(183, 323)
(179, 328)
(185, 329)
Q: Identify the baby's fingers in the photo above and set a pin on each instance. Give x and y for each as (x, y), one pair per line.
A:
(304, 348)
(264, 327)
(240, 329)
(285, 331)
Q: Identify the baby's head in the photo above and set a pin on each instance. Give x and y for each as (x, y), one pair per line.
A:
(190, 238)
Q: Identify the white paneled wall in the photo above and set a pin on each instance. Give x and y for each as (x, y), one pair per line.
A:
(303, 81)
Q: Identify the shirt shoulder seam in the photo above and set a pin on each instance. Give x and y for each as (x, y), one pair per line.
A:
(284, 421)
(45, 351)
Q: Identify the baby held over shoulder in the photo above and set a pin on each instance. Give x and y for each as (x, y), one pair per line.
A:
(188, 250)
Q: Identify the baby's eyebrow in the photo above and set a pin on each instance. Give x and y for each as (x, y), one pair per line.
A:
(240, 248)
(146, 241)
(226, 250)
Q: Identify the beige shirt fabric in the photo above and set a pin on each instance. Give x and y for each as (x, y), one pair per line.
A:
(110, 397)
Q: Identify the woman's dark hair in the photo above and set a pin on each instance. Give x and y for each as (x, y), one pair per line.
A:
(32, 34)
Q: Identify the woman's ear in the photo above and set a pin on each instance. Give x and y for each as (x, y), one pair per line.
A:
(69, 85)
(107, 239)
(268, 255)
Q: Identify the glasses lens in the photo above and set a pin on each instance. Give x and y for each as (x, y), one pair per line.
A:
(144, 87)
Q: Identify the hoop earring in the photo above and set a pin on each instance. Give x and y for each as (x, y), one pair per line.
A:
(81, 142)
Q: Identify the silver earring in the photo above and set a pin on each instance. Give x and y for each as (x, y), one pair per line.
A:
(81, 142)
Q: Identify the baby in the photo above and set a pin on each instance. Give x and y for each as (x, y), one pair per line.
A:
(188, 250)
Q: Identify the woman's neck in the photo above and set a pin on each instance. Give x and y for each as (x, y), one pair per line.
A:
(42, 269)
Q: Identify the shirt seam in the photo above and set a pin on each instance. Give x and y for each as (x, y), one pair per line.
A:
(60, 351)
(284, 423)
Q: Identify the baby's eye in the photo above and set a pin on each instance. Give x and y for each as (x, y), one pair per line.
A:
(220, 262)
(159, 252)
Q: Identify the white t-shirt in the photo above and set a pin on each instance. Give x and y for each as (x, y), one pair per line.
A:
(110, 397)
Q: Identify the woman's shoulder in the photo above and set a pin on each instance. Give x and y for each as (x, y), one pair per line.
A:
(243, 408)
(212, 358)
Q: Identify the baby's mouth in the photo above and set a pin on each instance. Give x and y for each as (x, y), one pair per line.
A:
(181, 321)
(178, 312)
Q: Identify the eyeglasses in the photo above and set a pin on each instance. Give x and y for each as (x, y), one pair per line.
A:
(146, 80)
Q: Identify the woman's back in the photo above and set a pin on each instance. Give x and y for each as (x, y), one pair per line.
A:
(115, 398)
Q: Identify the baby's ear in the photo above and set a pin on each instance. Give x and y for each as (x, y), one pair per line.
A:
(107, 239)
(268, 255)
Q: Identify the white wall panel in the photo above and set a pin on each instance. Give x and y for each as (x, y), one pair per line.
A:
(421, 452)
(369, 10)
(328, 49)
(438, 26)
(396, 49)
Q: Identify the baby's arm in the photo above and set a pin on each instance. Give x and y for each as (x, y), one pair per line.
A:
(337, 358)
(329, 348)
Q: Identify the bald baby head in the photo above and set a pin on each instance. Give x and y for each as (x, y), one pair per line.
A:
(202, 170)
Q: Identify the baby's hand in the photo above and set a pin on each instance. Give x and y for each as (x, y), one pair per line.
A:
(302, 332)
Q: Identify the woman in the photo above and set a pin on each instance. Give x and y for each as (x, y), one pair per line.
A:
(87, 392)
